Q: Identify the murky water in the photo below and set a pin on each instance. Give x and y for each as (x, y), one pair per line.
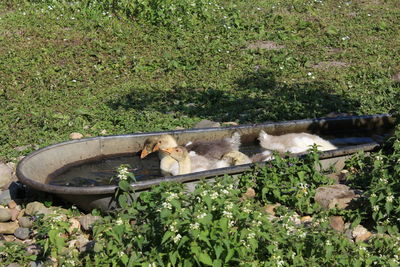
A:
(101, 171)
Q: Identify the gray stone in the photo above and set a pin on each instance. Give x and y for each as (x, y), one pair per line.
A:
(265, 45)
(5, 197)
(87, 247)
(8, 228)
(33, 249)
(14, 264)
(34, 208)
(22, 233)
(5, 215)
(75, 136)
(6, 174)
(332, 196)
(207, 124)
(88, 220)
(25, 222)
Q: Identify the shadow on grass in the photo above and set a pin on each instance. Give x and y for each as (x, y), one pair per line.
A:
(257, 97)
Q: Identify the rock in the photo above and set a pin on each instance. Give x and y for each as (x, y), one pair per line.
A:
(25, 222)
(87, 247)
(6, 174)
(9, 238)
(5, 196)
(363, 237)
(34, 208)
(11, 204)
(360, 233)
(179, 128)
(330, 64)
(75, 225)
(81, 241)
(207, 124)
(88, 220)
(332, 196)
(250, 193)
(306, 219)
(14, 214)
(33, 249)
(8, 228)
(270, 208)
(75, 136)
(337, 223)
(103, 132)
(22, 233)
(230, 123)
(5, 215)
(14, 264)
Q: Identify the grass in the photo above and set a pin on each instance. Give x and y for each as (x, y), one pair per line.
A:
(67, 68)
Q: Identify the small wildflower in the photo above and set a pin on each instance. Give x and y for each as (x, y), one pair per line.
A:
(214, 195)
(328, 243)
(383, 180)
(167, 205)
(119, 221)
(201, 216)
(227, 214)
(345, 38)
(375, 208)
(389, 198)
(194, 226)
(177, 238)
(309, 73)
(252, 235)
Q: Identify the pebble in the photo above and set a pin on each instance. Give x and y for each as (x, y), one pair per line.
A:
(14, 264)
(5, 215)
(75, 225)
(5, 174)
(34, 208)
(337, 223)
(88, 220)
(230, 123)
(5, 196)
(33, 249)
(14, 214)
(87, 247)
(8, 228)
(250, 193)
(75, 136)
(270, 208)
(11, 204)
(22, 233)
(25, 222)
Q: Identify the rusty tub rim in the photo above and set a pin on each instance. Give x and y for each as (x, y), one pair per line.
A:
(142, 185)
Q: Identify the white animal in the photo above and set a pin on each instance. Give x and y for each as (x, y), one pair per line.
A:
(293, 142)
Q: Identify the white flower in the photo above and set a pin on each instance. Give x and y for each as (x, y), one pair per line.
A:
(389, 198)
(177, 238)
(383, 180)
(302, 234)
(224, 191)
(167, 205)
(246, 210)
(373, 195)
(231, 223)
(229, 206)
(172, 196)
(379, 158)
(172, 227)
(375, 208)
(328, 243)
(345, 38)
(201, 216)
(214, 195)
(227, 214)
(309, 73)
(119, 221)
(121, 253)
(194, 226)
(252, 235)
